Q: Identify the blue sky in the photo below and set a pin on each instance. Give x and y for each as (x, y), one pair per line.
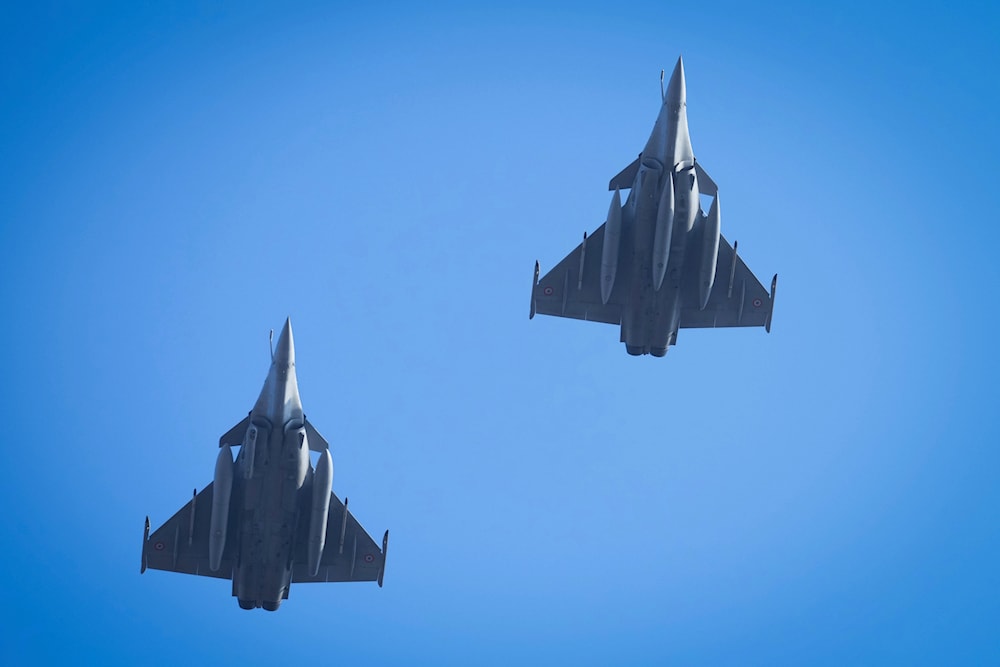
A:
(174, 182)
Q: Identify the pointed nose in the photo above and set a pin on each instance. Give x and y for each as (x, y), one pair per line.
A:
(676, 89)
(284, 351)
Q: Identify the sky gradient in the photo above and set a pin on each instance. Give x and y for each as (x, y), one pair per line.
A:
(174, 182)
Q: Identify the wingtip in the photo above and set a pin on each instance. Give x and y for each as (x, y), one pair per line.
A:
(534, 284)
(770, 310)
(385, 551)
(145, 541)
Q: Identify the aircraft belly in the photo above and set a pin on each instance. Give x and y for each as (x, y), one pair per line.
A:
(667, 317)
(653, 316)
(268, 535)
(640, 319)
(264, 570)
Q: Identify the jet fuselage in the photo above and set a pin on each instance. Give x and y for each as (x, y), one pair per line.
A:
(272, 474)
(660, 213)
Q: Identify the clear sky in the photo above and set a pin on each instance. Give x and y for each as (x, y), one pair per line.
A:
(175, 181)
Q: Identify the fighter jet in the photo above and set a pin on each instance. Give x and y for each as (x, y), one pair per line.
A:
(659, 263)
(269, 519)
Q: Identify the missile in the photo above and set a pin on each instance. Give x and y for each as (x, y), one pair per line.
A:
(534, 286)
(250, 447)
(385, 552)
(222, 488)
(194, 506)
(732, 270)
(145, 541)
(343, 528)
(770, 308)
(354, 555)
(664, 231)
(609, 253)
(709, 253)
(322, 486)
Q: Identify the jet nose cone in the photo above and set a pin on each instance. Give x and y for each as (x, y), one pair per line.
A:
(284, 351)
(676, 89)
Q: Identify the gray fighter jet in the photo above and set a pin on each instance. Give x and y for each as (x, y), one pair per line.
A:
(659, 263)
(269, 519)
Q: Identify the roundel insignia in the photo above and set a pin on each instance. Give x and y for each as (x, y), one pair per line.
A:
(159, 546)
(369, 558)
(757, 303)
(548, 291)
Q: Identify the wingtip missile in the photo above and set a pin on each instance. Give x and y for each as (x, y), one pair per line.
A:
(770, 310)
(534, 285)
(385, 551)
(145, 541)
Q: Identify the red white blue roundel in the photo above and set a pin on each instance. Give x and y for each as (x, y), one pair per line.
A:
(547, 291)
(758, 302)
